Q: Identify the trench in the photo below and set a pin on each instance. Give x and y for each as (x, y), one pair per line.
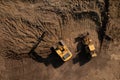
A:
(105, 18)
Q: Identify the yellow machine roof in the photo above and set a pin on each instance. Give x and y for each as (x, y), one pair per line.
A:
(91, 47)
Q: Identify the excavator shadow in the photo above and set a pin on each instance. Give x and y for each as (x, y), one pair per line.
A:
(52, 59)
(82, 56)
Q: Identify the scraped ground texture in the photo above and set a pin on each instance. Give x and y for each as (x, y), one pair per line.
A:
(22, 22)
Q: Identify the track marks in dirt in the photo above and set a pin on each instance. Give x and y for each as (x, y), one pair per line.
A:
(23, 31)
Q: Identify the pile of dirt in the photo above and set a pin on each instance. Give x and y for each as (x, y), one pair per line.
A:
(22, 22)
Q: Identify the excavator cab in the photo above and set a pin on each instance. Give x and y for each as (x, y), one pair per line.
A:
(62, 50)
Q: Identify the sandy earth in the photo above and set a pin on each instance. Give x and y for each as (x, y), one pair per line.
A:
(22, 22)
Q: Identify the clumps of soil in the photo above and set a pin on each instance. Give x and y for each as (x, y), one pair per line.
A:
(114, 9)
(23, 22)
(113, 30)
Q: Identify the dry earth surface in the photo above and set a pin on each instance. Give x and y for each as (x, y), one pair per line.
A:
(22, 22)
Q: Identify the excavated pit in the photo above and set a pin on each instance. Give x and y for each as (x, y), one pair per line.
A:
(22, 22)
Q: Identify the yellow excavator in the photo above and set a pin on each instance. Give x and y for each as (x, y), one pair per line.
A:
(89, 46)
(62, 50)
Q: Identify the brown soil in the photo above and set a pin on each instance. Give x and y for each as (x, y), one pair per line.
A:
(22, 22)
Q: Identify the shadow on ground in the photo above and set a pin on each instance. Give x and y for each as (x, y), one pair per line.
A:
(82, 56)
(91, 15)
(52, 59)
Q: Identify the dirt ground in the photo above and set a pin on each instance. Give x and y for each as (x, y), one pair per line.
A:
(22, 22)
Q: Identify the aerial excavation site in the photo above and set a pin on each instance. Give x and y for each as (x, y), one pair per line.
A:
(59, 39)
